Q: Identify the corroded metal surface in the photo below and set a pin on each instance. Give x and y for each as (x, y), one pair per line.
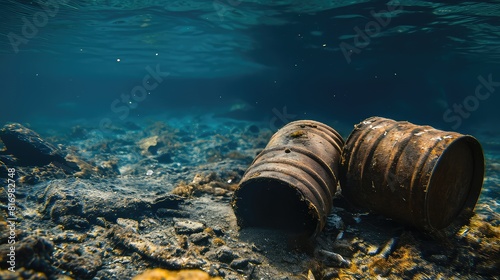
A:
(291, 183)
(415, 174)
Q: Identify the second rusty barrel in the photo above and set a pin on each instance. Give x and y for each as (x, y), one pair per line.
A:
(291, 183)
(415, 174)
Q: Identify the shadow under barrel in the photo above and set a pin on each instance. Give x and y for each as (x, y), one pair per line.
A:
(290, 185)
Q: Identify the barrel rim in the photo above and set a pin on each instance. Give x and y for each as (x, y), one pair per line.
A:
(318, 199)
(313, 211)
(330, 172)
(477, 177)
(325, 204)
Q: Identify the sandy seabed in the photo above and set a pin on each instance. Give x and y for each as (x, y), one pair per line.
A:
(113, 204)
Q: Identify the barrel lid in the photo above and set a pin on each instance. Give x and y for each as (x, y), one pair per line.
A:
(455, 182)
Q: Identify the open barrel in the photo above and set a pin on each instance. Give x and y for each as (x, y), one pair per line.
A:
(290, 185)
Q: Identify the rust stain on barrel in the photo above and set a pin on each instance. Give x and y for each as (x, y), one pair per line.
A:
(415, 174)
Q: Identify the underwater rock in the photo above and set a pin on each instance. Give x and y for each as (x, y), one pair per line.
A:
(158, 273)
(218, 230)
(29, 148)
(109, 168)
(204, 184)
(42, 161)
(225, 254)
(334, 259)
(80, 260)
(183, 189)
(200, 238)
(388, 248)
(109, 199)
(23, 273)
(202, 179)
(8, 159)
(73, 222)
(240, 263)
(168, 201)
(167, 254)
(86, 170)
(69, 236)
(132, 224)
(32, 252)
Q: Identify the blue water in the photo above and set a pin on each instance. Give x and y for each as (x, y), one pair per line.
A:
(107, 62)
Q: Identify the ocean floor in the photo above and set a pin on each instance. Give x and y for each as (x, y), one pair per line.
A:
(156, 194)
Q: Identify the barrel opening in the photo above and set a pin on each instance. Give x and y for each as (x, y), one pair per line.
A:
(271, 203)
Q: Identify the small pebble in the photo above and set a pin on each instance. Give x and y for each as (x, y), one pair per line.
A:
(334, 258)
(256, 249)
(388, 248)
(335, 222)
(239, 263)
(226, 254)
(371, 250)
(187, 226)
(218, 230)
(199, 238)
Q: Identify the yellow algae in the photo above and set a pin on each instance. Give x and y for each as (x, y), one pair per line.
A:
(185, 274)
(297, 133)
(148, 145)
(218, 241)
(183, 189)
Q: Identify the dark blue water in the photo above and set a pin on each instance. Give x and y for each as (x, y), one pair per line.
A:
(328, 60)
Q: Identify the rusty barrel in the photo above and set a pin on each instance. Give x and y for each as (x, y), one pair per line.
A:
(290, 185)
(416, 174)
